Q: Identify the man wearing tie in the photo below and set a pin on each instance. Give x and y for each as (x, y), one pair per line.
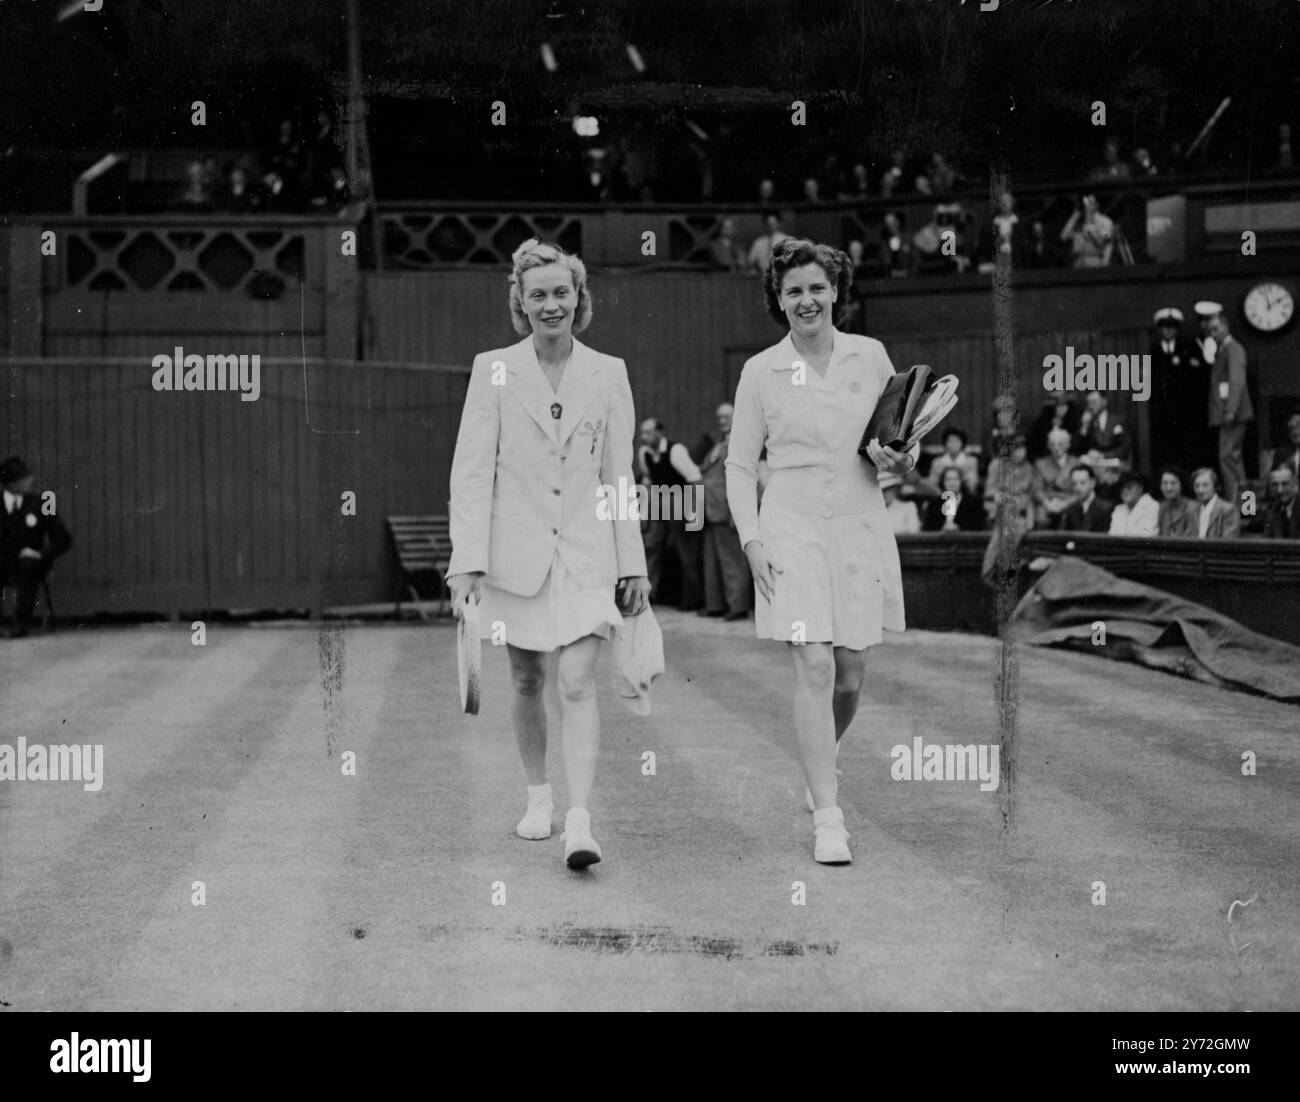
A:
(1180, 379)
(1230, 407)
(30, 540)
(1216, 519)
(1288, 453)
(1282, 521)
(728, 585)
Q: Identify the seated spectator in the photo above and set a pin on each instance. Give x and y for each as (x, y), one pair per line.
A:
(896, 253)
(961, 511)
(858, 255)
(859, 186)
(1004, 234)
(1111, 168)
(1012, 479)
(1054, 489)
(766, 192)
(954, 454)
(196, 198)
(725, 250)
(940, 244)
(1037, 252)
(1282, 520)
(1138, 513)
(891, 183)
(340, 194)
(1216, 519)
(1101, 432)
(902, 514)
(1288, 453)
(320, 159)
(812, 190)
(1004, 430)
(240, 195)
(1142, 163)
(941, 176)
(1058, 412)
(1090, 233)
(30, 541)
(1178, 515)
(1088, 512)
(284, 169)
(760, 252)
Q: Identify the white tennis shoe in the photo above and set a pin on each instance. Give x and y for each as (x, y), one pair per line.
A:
(536, 823)
(832, 846)
(580, 848)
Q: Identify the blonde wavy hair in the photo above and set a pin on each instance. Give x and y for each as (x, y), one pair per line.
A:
(534, 253)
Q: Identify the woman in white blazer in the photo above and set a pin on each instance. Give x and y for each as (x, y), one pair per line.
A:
(548, 422)
(822, 550)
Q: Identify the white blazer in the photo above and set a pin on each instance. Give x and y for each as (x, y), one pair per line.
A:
(525, 485)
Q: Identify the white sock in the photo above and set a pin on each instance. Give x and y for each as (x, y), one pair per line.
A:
(828, 815)
(577, 816)
(539, 792)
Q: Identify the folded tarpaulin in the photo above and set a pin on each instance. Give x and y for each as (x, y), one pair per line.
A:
(1153, 627)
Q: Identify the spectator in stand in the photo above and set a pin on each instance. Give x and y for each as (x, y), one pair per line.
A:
(941, 178)
(1288, 453)
(954, 454)
(1090, 233)
(728, 584)
(1087, 512)
(1282, 521)
(766, 192)
(1037, 252)
(957, 508)
(760, 252)
(940, 243)
(896, 253)
(1111, 168)
(1058, 412)
(1178, 515)
(904, 518)
(1004, 430)
(1138, 513)
(1012, 478)
(340, 194)
(241, 192)
(1284, 160)
(284, 170)
(1143, 165)
(321, 157)
(859, 186)
(1179, 381)
(812, 192)
(725, 250)
(891, 182)
(1216, 519)
(196, 198)
(1101, 432)
(1003, 234)
(1054, 491)
(1206, 312)
(1230, 406)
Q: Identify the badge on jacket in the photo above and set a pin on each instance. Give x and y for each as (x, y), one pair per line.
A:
(31, 520)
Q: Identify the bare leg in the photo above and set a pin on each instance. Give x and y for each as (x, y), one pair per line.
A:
(849, 665)
(528, 710)
(577, 684)
(814, 720)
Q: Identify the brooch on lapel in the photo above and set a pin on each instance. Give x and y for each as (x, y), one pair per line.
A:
(556, 410)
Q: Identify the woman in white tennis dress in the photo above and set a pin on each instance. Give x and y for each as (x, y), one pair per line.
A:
(548, 422)
(822, 551)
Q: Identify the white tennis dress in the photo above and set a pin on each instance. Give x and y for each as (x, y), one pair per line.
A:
(823, 517)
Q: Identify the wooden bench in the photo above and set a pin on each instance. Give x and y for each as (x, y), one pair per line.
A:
(423, 546)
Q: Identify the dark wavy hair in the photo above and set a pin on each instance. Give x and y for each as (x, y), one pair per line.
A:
(795, 253)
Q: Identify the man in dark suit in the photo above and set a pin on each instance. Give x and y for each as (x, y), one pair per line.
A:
(1282, 521)
(1180, 380)
(1088, 513)
(30, 540)
(1288, 453)
(728, 585)
(1100, 430)
(1230, 407)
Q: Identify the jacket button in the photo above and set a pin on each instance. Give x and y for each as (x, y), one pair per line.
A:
(556, 492)
(555, 531)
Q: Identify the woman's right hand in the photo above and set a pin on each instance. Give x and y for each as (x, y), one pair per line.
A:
(465, 587)
(763, 566)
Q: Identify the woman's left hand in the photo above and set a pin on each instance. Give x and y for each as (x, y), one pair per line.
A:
(887, 460)
(636, 595)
